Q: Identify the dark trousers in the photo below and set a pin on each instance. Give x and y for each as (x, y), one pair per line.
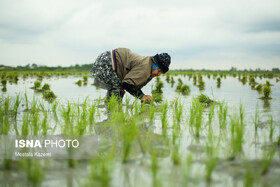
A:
(116, 92)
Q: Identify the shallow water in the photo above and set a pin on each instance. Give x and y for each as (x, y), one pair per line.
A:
(136, 171)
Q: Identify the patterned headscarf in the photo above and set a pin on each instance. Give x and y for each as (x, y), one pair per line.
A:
(162, 60)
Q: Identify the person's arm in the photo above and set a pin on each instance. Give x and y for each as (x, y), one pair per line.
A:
(133, 90)
(137, 93)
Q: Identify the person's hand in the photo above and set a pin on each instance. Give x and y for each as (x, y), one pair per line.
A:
(147, 99)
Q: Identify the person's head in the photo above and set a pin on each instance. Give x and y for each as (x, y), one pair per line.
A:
(162, 61)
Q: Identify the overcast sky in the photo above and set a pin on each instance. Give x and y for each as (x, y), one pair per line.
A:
(211, 34)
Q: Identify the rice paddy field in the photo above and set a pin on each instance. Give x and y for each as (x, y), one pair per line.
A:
(204, 129)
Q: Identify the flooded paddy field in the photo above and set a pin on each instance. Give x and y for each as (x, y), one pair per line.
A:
(205, 129)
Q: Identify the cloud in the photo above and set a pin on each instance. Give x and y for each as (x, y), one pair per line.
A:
(68, 32)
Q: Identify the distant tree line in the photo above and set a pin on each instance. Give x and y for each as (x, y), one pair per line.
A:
(232, 69)
(87, 67)
(35, 67)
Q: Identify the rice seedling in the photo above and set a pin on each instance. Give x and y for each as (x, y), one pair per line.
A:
(46, 87)
(44, 124)
(100, 172)
(34, 171)
(54, 109)
(79, 83)
(267, 158)
(85, 79)
(204, 100)
(144, 141)
(157, 92)
(241, 114)
(259, 88)
(49, 96)
(26, 101)
(92, 109)
(188, 163)
(158, 88)
(212, 158)
(82, 119)
(7, 101)
(252, 81)
(175, 156)
(25, 125)
(67, 115)
(34, 105)
(163, 116)
(266, 92)
(257, 119)
(4, 89)
(172, 81)
(271, 129)
(195, 120)
(222, 111)
(244, 79)
(35, 125)
(219, 82)
(185, 89)
(237, 135)
(157, 79)
(4, 82)
(249, 177)
(152, 110)
(211, 114)
(194, 80)
(179, 86)
(154, 165)
(37, 85)
(129, 132)
(5, 125)
(178, 110)
(16, 105)
(201, 83)
(167, 79)
(268, 83)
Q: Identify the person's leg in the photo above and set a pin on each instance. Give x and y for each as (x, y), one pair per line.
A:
(115, 92)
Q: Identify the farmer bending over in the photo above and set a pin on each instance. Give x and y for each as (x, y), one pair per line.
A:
(121, 69)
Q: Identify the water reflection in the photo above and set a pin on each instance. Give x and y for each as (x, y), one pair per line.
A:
(145, 141)
(266, 104)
